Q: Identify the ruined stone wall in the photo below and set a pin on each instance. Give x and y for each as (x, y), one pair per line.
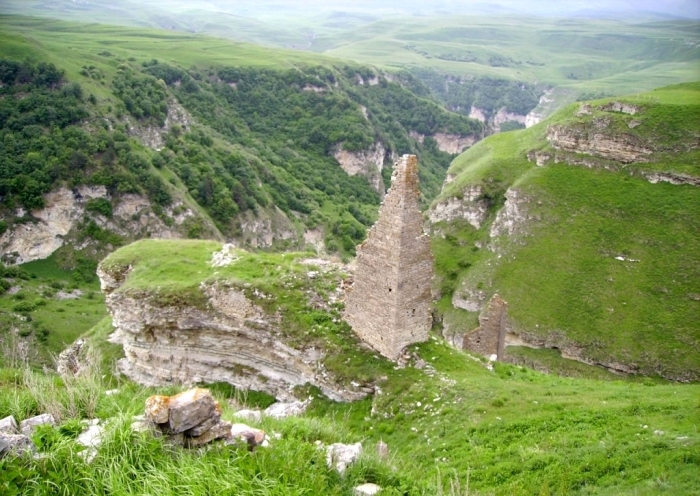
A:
(389, 304)
(489, 338)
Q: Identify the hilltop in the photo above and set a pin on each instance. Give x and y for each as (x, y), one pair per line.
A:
(586, 226)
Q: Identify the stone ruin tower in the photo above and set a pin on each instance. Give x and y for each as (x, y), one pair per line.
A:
(389, 303)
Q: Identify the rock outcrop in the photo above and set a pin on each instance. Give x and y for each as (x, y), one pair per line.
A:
(389, 304)
(58, 223)
(454, 143)
(368, 163)
(468, 206)
(216, 335)
(618, 147)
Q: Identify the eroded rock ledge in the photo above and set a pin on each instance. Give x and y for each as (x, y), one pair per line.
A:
(214, 334)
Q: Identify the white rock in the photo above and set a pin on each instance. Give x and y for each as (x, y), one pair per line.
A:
(249, 415)
(8, 425)
(27, 426)
(339, 455)
(280, 410)
(366, 489)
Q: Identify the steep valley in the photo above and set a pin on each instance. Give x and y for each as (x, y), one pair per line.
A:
(178, 210)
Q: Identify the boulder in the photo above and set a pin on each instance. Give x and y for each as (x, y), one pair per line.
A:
(249, 415)
(189, 409)
(8, 425)
(339, 455)
(250, 435)
(368, 489)
(280, 410)
(222, 430)
(17, 444)
(27, 426)
(157, 408)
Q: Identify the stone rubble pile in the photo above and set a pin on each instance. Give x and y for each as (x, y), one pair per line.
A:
(191, 418)
(15, 438)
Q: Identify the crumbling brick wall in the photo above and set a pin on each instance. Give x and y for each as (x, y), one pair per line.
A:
(389, 304)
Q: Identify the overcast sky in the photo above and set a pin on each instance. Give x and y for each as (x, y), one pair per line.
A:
(681, 8)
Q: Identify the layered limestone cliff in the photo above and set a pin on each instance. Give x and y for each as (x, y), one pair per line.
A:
(153, 136)
(219, 332)
(368, 163)
(598, 142)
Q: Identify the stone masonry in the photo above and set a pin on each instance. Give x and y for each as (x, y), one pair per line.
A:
(489, 338)
(389, 304)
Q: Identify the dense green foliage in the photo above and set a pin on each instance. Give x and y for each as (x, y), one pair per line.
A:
(251, 144)
(46, 142)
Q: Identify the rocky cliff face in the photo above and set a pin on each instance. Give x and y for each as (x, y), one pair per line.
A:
(493, 122)
(448, 143)
(153, 136)
(470, 207)
(368, 163)
(219, 334)
(618, 147)
(58, 223)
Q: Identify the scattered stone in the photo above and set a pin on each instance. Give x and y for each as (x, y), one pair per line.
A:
(366, 489)
(157, 409)
(382, 450)
(8, 425)
(69, 295)
(634, 124)
(659, 433)
(225, 257)
(339, 455)
(281, 410)
(27, 426)
(420, 364)
(189, 409)
(250, 435)
(249, 415)
(222, 430)
(18, 444)
(91, 439)
(111, 392)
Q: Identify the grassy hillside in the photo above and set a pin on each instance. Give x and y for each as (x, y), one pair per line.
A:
(599, 260)
(453, 428)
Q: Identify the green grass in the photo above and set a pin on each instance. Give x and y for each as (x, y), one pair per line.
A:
(455, 429)
(37, 313)
(560, 274)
